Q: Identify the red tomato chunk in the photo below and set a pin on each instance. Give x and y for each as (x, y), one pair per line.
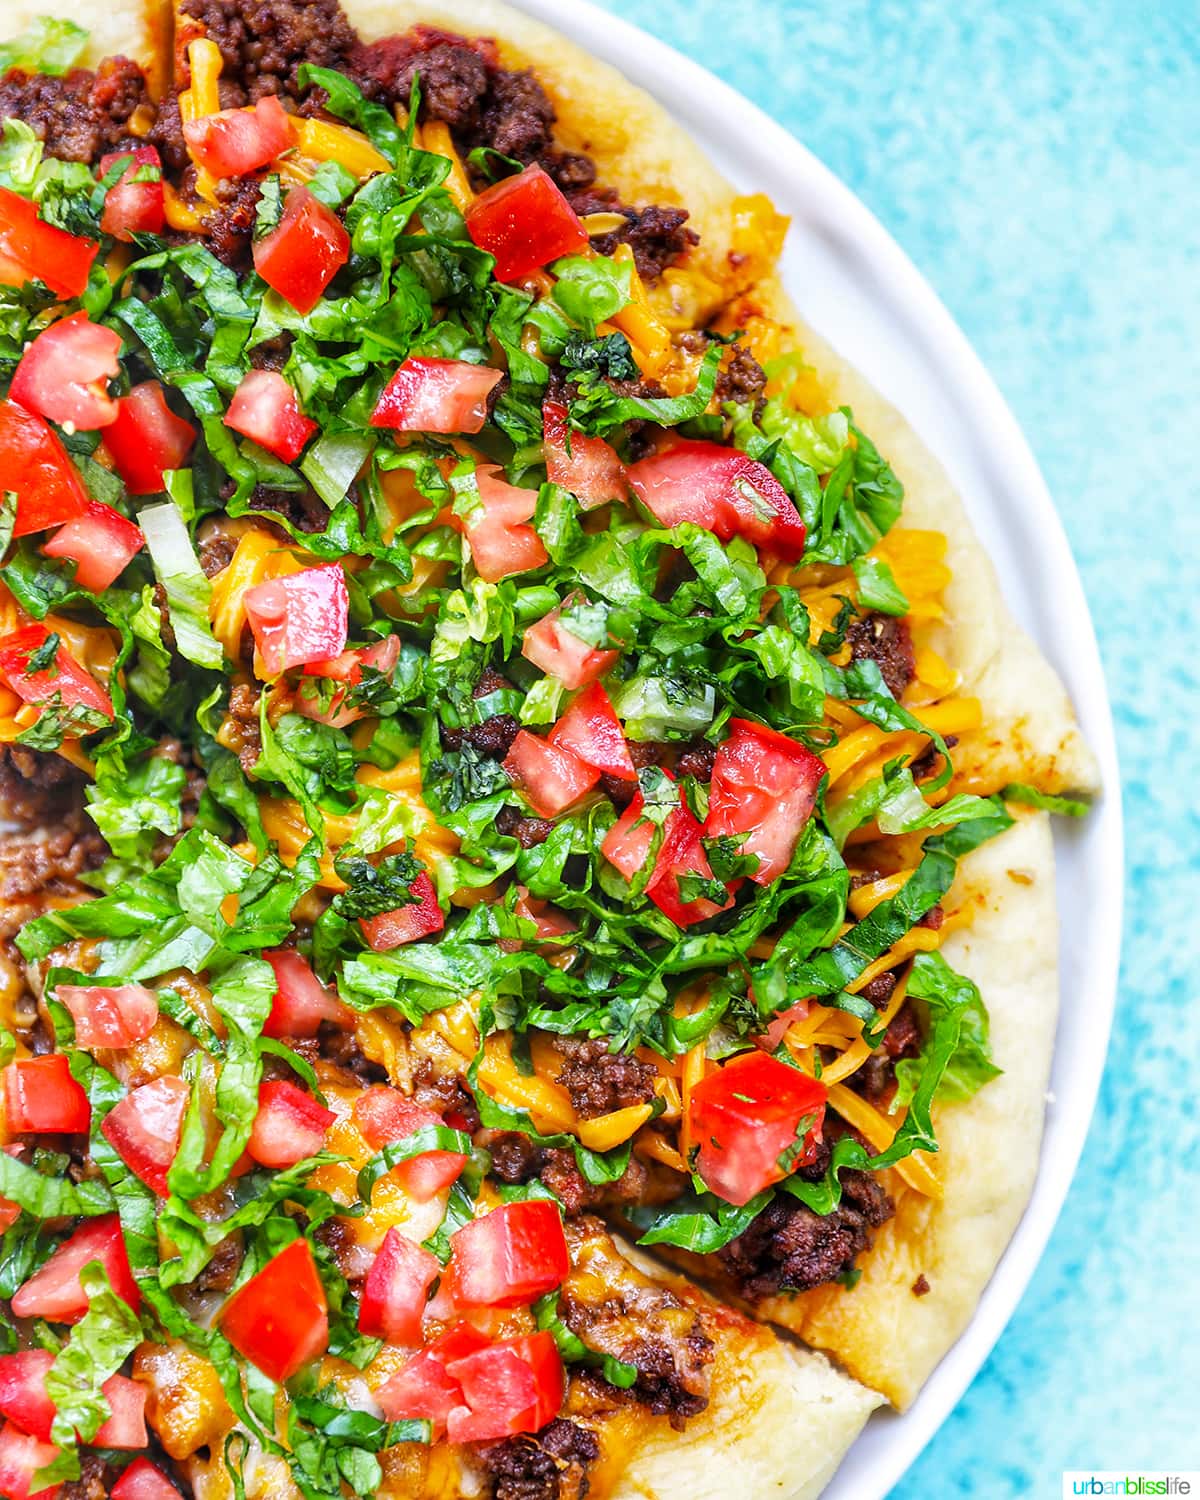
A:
(551, 645)
(551, 777)
(234, 142)
(300, 618)
(32, 250)
(108, 1015)
(509, 1257)
(289, 1126)
(304, 252)
(585, 465)
(397, 1289)
(37, 470)
(55, 1292)
(501, 544)
(384, 1115)
(101, 543)
(301, 1004)
(65, 371)
(147, 439)
(266, 409)
(764, 788)
(279, 1319)
(422, 916)
(41, 1096)
(65, 682)
(132, 207)
(525, 222)
(722, 490)
(144, 1129)
(745, 1117)
(591, 730)
(436, 395)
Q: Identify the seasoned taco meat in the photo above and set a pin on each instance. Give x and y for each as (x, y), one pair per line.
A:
(600, 1081)
(34, 784)
(516, 1158)
(263, 42)
(616, 1310)
(789, 1248)
(81, 115)
(547, 1465)
(888, 643)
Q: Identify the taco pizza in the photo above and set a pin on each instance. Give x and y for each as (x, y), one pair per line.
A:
(527, 894)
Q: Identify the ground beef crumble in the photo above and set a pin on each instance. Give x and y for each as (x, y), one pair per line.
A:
(888, 642)
(790, 1248)
(548, 1465)
(263, 42)
(81, 115)
(600, 1081)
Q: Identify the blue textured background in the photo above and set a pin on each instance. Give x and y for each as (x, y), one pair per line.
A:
(1040, 162)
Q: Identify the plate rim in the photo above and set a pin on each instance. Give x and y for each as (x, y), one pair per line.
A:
(673, 77)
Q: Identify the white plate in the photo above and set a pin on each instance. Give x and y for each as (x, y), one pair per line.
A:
(857, 286)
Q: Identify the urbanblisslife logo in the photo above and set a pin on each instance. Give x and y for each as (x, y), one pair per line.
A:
(1121, 1482)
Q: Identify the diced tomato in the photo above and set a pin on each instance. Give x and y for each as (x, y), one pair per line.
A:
(587, 466)
(101, 543)
(132, 207)
(764, 786)
(299, 618)
(778, 1026)
(436, 395)
(549, 920)
(500, 542)
(591, 730)
(10, 1212)
(745, 1117)
(509, 1257)
(421, 1390)
(347, 668)
(110, 1015)
(279, 1319)
(525, 222)
(406, 924)
(31, 249)
(64, 373)
(21, 1456)
(384, 1115)
(142, 1481)
(723, 491)
(627, 843)
(682, 853)
(37, 470)
(54, 1292)
(235, 142)
(397, 1289)
(551, 776)
(23, 1397)
(41, 1096)
(551, 645)
(66, 682)
(301, 1002)
(511, 1387)
(144, 1129)
(126, 1427)
(289, 1125)
(147, 439)
(266, 409)
(304, 252)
